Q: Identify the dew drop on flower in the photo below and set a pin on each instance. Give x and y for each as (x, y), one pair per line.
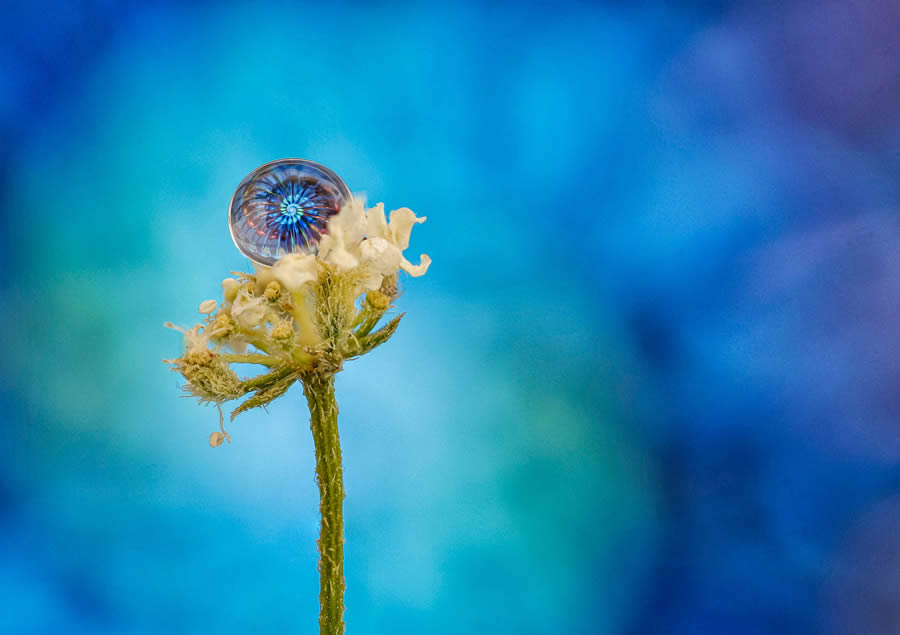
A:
(283, 207)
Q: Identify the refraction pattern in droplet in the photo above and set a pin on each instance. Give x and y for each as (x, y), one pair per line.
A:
(283, 207)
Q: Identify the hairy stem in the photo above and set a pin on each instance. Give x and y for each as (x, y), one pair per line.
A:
(251, 358)
(319, 391)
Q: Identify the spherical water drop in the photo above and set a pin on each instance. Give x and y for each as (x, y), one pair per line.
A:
(283, 207)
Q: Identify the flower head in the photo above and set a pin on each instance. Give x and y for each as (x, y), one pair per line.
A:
(304, 314)
(363, 241)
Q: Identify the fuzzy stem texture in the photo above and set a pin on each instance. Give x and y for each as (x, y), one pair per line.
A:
(319, 390)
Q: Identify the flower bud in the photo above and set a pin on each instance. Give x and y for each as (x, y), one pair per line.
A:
(208, 306)
(378, 300)
(282, 330)
(230, 287)
(273, 290)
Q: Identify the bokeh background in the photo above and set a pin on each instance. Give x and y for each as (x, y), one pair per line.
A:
(649, 385)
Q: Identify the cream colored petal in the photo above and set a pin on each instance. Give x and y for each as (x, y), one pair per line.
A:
(336, 251)
(416, 270)
(377, 224)
(194, 340)
(352, 221)
(369, 281)
(263, 275)
(295, 270)
(401, 224)
(248, 311)
(326, 245)
(380, 256)
(342, 259)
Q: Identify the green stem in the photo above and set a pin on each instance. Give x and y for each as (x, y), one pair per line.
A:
(319, 391)
(251, 358)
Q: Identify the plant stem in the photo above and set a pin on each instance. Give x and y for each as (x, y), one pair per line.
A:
(319, 390)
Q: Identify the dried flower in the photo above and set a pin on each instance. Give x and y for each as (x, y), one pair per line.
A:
(300, 318)
(306, 312)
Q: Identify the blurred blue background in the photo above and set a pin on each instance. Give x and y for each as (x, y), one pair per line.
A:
(649, 385)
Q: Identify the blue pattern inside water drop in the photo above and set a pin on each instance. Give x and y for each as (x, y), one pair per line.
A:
(283, 207)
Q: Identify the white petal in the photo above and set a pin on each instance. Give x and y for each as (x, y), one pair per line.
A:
(295, 270)
(349, 223)
(377, 225)
(371, 282)
(352, 221)
(248, 311)
(402, 221)
(416, 270)
(194, 340)
(326, 245)
(380, 256)
(342, 259)
(335, 250)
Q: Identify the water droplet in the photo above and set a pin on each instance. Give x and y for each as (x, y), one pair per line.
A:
(283, 207)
